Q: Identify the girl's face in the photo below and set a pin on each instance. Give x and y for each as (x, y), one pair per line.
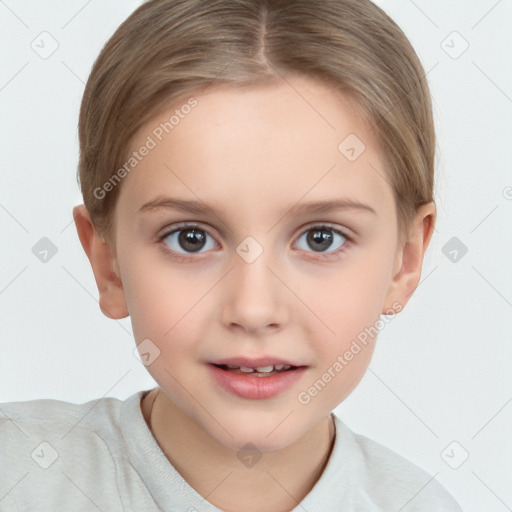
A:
(255, 263)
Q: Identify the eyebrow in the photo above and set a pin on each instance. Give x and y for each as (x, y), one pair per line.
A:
(312, 207)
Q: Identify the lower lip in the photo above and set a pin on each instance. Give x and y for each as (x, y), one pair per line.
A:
(256, 388)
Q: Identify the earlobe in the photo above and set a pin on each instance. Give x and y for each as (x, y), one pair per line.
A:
(104, 266)
(409, 259)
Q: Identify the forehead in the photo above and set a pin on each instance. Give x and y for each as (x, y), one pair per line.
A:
(270, 145)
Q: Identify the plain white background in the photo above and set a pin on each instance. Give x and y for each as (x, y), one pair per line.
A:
(439, 387)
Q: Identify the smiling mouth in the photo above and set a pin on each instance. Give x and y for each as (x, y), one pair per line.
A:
(259, 371)
(256, 382)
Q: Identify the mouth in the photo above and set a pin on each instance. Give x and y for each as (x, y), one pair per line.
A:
(258, 371)
(258, 367)
(256, 379)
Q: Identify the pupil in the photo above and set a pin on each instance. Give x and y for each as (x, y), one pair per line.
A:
(191, 239)
(322, 237)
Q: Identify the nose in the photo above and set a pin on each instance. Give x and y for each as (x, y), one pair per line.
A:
(254, 299)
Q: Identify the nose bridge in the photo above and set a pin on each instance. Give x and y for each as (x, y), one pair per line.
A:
(255, 299)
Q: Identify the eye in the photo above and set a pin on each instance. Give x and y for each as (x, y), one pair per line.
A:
(323, 237)
(188, 240)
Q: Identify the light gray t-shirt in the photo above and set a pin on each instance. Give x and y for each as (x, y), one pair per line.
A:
(101, 456)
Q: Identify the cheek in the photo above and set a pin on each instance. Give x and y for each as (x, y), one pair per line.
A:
(163, 314)
(353, 313)
(166, 304)
(156, 301)
(350, 305)
(347, 302)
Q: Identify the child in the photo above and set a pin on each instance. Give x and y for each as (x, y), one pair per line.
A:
(221, 141)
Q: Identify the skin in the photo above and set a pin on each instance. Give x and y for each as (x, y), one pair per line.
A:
(251, 155)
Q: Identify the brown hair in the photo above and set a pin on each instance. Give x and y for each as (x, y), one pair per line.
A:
(167, 49)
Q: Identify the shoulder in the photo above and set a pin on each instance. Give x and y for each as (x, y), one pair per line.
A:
(54, 427)
(34, 417)
(389, 480)
(47, 444)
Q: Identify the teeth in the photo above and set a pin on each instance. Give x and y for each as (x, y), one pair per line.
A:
(265, 369)
(260, 369)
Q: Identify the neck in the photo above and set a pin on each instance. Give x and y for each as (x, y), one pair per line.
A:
(283, 477)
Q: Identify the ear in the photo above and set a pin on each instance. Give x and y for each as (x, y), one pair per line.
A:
(409, 259)
(104, 265)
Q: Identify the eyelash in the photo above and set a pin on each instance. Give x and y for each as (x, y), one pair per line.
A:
(315, 227)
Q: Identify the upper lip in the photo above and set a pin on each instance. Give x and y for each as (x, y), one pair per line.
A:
(254, 363)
